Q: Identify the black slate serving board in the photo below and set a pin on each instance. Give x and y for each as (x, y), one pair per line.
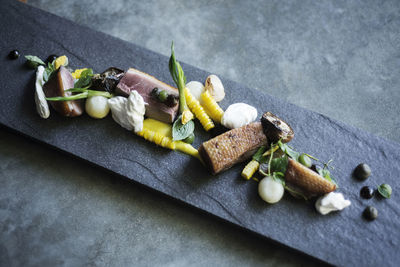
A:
(343, 238)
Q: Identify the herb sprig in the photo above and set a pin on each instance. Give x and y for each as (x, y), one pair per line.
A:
(183, 125)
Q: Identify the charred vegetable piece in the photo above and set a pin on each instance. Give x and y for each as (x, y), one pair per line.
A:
(144, 84)
(107, 80)
(56, 87)
(227, 149)
(306, 180)
(276, 129)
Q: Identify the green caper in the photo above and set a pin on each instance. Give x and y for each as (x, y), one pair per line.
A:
(189, 139)
(155, 92)
(305, 160)
(370, 213)
(162, 96)
(362, 171)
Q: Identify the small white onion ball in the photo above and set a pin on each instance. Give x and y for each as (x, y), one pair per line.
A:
(195, 88)
(270, 191)
(97, 107)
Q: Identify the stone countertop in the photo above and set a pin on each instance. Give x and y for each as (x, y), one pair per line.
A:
(341, 59)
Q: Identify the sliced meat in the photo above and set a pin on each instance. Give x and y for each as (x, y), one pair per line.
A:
(59, 82)
(144, 84)
(236, 145)
(308, 181)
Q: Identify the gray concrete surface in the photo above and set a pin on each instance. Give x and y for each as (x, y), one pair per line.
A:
(339, 58)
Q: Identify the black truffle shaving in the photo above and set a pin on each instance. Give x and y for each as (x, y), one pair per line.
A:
(107, 80)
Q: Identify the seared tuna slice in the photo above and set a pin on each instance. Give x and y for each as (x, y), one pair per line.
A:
(144, 83)
(236, 145)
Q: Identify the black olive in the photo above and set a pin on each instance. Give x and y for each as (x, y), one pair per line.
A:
(367, 192)
(13, 54)
(370, 213)
(51, 58)
(362, 171)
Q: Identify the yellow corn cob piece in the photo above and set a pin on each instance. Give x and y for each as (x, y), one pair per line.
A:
(250, 169)
(160, 133)
(211, 106)
(198, 111)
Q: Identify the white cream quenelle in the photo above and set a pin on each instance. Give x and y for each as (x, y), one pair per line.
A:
(331, 202)
(128, 112)
(238, 115)
(42, 106)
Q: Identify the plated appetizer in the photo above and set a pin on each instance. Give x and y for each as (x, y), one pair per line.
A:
(163, 114)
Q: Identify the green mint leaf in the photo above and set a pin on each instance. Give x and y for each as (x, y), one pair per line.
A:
(279, 177)
(181, 131)
(385, 190)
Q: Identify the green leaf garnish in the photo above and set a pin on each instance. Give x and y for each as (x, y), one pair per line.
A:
(181, 131)
(34, 61)
(48, 71)
(385, 190)
(85, 79)
(289, 151)
(258, 155)
(325, 173)
(279, 164)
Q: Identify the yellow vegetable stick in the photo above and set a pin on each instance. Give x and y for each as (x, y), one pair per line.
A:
(160, 133)
(211, 106)
(198, 111)
(250, 169)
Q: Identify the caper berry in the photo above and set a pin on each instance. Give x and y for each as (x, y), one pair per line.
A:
(14, 54)
(189, 139)
(367, 192)
(370, 213)
(162, 96)
(305, 160)
(51, 58)
(362, 171)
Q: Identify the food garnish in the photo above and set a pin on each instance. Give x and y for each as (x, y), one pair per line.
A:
(183, 126)
(196, 89)
(97, 106)
(385, 190)
(367, 192)
(42, 106)
(128, 112)
(107, 80)
(331, 202)
(270, 190)
(14, 54)
(276, 129)
(370, 213)
(198, 110)
(33, 61)
(238, 115)
(362, 171)
(211, 107)
(214, 86)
